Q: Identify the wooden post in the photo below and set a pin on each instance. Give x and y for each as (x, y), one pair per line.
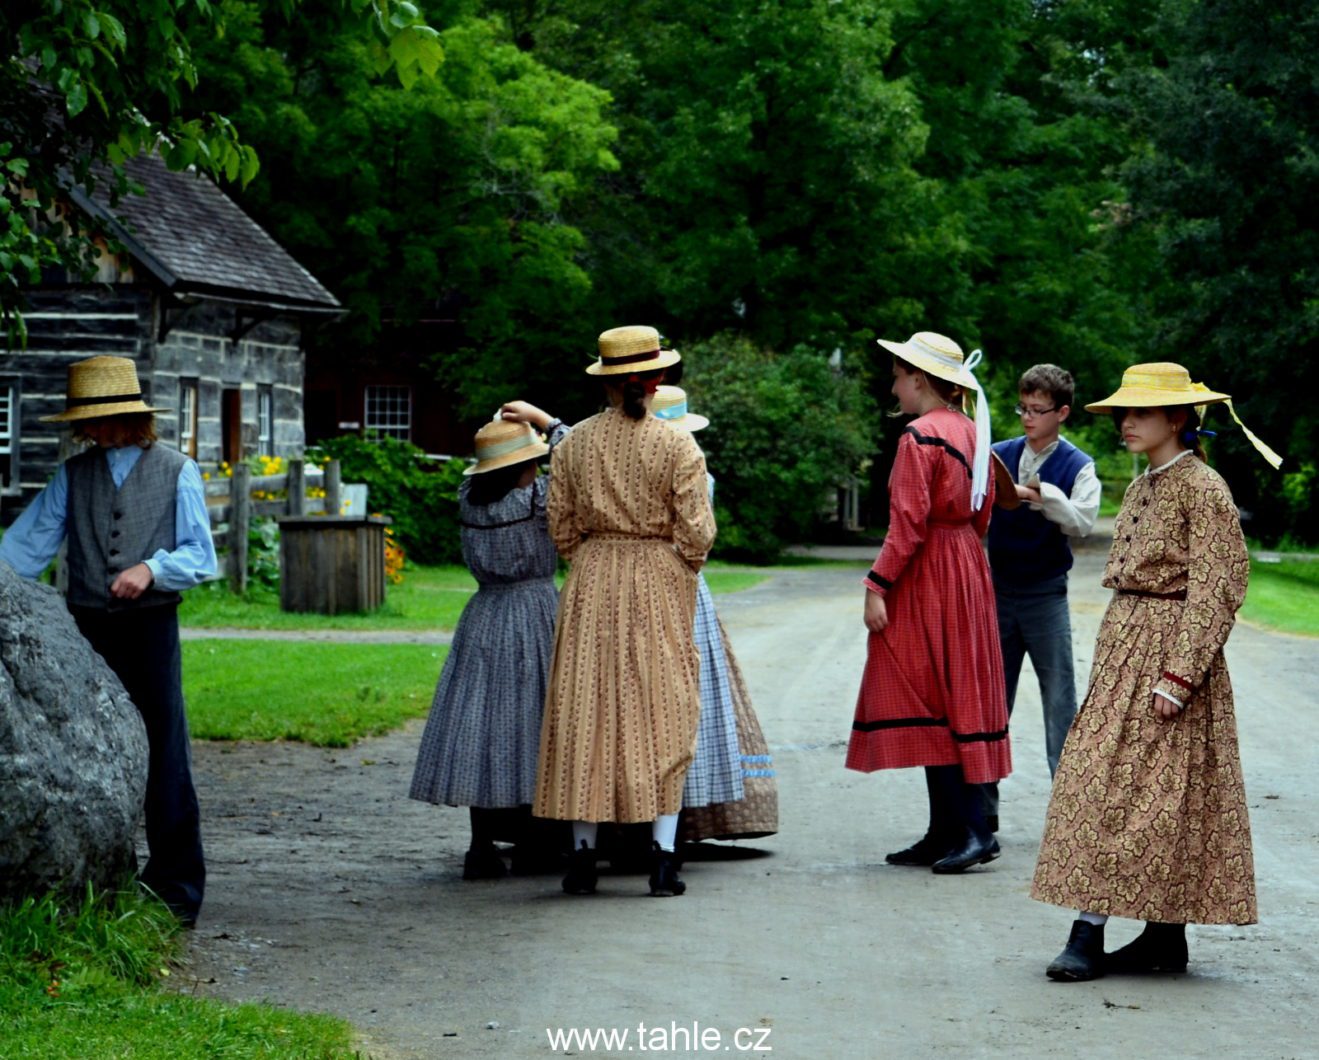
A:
(240, 518)
(333, 494)
(297, 488)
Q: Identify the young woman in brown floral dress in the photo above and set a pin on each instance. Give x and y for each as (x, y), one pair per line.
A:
(1148, 814)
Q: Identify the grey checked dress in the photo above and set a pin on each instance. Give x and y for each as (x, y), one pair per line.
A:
(481, 740)
(716, 770)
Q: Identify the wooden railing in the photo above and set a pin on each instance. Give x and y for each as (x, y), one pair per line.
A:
(232, 507)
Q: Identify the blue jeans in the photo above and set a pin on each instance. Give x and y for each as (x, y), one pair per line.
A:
(1033, 620)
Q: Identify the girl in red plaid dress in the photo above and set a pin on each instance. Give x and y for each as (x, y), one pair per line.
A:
(932, 693)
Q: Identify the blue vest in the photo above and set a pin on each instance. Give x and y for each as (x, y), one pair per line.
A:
(1023, 545)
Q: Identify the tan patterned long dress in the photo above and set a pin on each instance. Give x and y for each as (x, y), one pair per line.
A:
(628, 508)
(1148, 817)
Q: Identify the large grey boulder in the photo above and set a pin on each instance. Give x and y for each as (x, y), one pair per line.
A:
(73, 751)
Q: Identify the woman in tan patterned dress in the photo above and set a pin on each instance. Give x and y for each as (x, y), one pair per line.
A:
(1148, 814)
(628, 509)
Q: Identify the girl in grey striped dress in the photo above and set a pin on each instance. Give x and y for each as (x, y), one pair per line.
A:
(481, 740)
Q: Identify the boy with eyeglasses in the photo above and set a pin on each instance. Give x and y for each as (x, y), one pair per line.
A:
(1030, 551)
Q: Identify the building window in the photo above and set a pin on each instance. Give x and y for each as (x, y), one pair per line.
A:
(188, 417)
(265, 420)
(389, 411)
(8, 438)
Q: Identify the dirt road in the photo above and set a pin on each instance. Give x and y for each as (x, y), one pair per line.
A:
(330, 891)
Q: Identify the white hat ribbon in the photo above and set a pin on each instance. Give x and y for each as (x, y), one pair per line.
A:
(980, 463)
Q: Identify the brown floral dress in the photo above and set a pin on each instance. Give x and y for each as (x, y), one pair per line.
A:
(1148, 817)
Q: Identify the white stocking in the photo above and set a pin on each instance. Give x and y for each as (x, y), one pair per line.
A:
(665, 831)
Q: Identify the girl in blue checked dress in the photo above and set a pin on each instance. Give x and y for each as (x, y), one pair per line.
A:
(481, 740)
(730, 791)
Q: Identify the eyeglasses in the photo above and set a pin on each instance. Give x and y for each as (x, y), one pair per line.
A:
(1022, 410)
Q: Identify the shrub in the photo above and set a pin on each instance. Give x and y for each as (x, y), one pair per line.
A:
(419, 494)
(785, 430)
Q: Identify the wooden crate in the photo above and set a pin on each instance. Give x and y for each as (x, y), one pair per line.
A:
(331, 563)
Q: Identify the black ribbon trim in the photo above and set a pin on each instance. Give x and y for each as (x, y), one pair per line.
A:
(883, 583)
(951, 450)
(112, 399)
(899, 723)
(630, 358)
(925, 723)
(981, 737)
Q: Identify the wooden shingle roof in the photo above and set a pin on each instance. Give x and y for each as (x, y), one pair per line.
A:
(195, 240)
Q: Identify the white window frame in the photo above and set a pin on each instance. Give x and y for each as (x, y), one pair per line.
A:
(265, 420)
(395, 419)
(189, 408)
(9, 434)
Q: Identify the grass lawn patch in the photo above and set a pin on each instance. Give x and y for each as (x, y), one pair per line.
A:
(1284, 596)
(430, 598)
(91, 979)
(326, 694)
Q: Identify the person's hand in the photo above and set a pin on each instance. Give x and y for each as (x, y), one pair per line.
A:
(525, 412)
(1164, 708)
(876, 612)
(1030, 496)
(132, 583)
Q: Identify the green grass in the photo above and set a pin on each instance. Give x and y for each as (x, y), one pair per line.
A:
(94, 978)
(326, 694)
(430, 598)
(1284, 596)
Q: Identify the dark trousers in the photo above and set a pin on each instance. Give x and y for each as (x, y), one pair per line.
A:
(141, 646)
(956, 807)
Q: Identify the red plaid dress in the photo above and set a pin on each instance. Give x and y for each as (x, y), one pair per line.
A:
(932, 693)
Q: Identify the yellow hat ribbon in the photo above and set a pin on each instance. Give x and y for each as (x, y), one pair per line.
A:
(1260, 447)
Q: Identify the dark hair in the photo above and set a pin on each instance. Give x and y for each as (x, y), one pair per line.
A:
(1049, 379)
(494, 485)
(634, 392)
(133, 428)
(1189, 435)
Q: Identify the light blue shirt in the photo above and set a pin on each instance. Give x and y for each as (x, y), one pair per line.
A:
(31, 543)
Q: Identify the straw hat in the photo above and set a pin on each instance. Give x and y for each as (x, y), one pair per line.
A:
(1154, 385)
(631, 349)
(670, 405)
(936, 354)
(504, 442)
(102, 386)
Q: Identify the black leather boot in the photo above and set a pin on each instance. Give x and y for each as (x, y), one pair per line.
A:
(974, 850)
(1083, 956)
(664, 881)
(922, 853)
(1159, 948)
(582, 875)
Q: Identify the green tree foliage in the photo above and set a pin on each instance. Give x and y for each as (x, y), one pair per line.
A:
(446, 200)
(785, 431)
(1226, 188)
(418, 494)
(87, 84)
(766, 183)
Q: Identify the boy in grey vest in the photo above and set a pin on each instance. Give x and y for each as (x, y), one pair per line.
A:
(134, 515)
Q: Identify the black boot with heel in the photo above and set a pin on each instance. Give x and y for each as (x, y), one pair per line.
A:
(664, 881)
(1160, 948)
(1083, 956)
(582, 873)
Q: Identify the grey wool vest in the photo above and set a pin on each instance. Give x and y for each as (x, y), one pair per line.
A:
(110, 530)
